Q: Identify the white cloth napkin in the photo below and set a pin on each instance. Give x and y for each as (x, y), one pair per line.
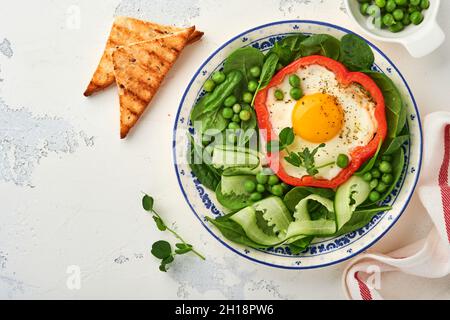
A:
(430, 257)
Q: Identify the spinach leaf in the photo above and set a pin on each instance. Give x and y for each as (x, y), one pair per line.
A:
(355, 53)
(395, 110)
(243, 59)
(322, 44)
(360, 218)
(211, 102)
(288, 48)
(233, 231)
(293, 197)
(268, 70)
(205, 173)
(368, 165)
(393, 144)
(212, 120)
(321, 212)
(300, 245)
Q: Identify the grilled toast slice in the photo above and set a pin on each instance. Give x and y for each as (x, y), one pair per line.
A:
(126, 31)
(140, 69)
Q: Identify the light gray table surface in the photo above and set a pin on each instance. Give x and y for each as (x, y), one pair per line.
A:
(70, 189)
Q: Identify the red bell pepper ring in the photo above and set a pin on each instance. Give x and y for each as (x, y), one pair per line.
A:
(358, 155)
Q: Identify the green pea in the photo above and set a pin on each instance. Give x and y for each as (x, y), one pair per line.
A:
(252, 86)
(414, 2)
(237, 108)
(245, 115)
(277, 190)
(256, 196)
(425, 4)
(230, 101)
(388, 19)
(249, 186)
(390, 5)
(367, 177)
(255, 72)
(294, 80)
(387, 178)
(406, 21)
(218, 77)
(342, 161)
(373, 184)
(401, 2)
(386, 158)
(236, 118)
(397, 27)
(375, 173)
(227, 113)
(412, 9)
(398, 14)
(279, 95)
(273, 180)
(296, 93)
(374, 196)
(416, 17)
(209, 85)
(380, 3)
(382, 187)
(363, 8)
(262, 178)
(385, 167)
(233, 126)
(247, 97)
(231, 138)
(260, 188)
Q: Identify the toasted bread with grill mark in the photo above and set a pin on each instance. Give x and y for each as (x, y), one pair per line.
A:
(140, 69)
(127, 31)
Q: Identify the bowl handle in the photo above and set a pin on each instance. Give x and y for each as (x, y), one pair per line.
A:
(425, 42)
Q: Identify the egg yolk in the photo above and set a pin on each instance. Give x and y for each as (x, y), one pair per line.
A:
(317, 117)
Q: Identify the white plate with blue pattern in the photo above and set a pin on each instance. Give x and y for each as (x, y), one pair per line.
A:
(323, 252)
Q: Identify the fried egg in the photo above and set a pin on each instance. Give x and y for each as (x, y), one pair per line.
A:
(341, 117)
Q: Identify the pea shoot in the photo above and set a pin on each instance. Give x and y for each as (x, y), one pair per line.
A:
(163, 249)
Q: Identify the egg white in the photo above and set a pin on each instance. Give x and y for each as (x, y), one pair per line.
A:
(359, 125)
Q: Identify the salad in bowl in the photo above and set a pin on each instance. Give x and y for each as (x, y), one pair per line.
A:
(298, 143)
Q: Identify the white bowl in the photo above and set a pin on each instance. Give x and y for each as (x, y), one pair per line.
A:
(322, 252)
(419, 40)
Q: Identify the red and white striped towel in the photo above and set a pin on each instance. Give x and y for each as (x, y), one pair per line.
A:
(430, 257)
